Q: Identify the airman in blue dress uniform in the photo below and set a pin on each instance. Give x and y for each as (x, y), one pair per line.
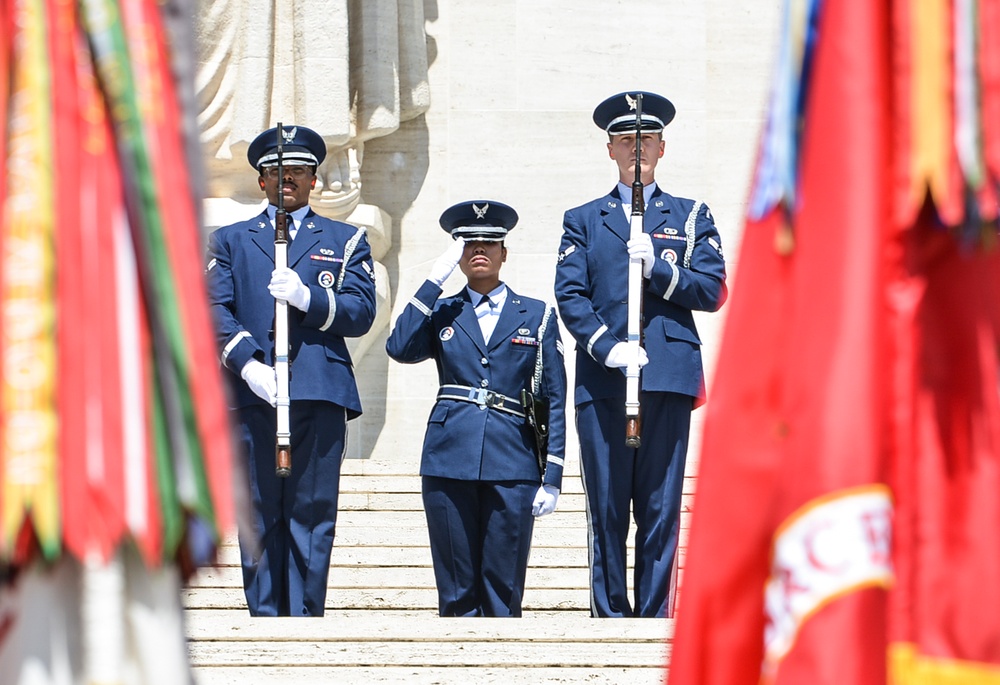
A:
(684, 270)
(330, 288)
(479, 469)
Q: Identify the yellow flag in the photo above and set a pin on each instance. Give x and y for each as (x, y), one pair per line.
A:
(27, 292)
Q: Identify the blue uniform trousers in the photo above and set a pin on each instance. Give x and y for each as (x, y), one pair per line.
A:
(286, 555)
(480, 535)
(649, 478)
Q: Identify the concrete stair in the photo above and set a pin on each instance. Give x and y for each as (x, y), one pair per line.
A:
(381, 624)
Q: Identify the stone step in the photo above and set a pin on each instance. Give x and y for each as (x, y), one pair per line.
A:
(399, 577)
(372, 556)
(487, 652)
(409, 647)
(416, 626)
(381, 623)
(636, 673)
(563, 599)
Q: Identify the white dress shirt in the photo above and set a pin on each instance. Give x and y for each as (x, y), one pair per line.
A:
(488, 308)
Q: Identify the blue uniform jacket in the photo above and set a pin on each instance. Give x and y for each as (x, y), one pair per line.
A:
(466, 442)
(592, 289)
(241, 259)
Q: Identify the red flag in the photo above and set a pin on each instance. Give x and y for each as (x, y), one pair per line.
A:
(943, 626)
(790, 469)
(92, 483)
(846, 521)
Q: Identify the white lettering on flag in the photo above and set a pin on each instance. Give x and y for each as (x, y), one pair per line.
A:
(828, 548)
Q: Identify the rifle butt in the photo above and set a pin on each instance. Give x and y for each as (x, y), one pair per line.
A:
(632, 426)
(283, 461)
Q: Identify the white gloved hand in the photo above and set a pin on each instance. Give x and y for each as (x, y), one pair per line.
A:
(261, 379)
(545, 500)
(447, 262)
(286, 285)
(621, 354)
(642, 247)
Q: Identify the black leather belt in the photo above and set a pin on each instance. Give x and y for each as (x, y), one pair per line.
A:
(482, 397)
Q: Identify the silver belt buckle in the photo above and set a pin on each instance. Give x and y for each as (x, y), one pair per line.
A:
(479, 396)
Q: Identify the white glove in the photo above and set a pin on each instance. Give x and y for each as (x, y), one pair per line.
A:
(545, 500)
(621, 354)
(642, 247)
(286, 285)
(446, 263)
(261, 379)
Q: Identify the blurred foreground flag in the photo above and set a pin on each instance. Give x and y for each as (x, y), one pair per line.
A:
(847, 519)
(115, 455)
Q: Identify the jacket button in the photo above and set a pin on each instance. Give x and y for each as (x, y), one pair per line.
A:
(484, 382)
(484, 361)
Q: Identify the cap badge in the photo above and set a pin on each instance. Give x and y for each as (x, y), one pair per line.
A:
(630, 100)
(480, 213)
(446, 334)
(325, 279)
(289, 134)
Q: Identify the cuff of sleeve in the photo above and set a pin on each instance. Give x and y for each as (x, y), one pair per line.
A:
(243, 351)
(428, 293)
(602, 347)
(663, 282)
(553, 472)
(322, 308)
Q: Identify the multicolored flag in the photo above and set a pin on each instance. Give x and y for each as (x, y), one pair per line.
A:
(113, 426)
(845, 525)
